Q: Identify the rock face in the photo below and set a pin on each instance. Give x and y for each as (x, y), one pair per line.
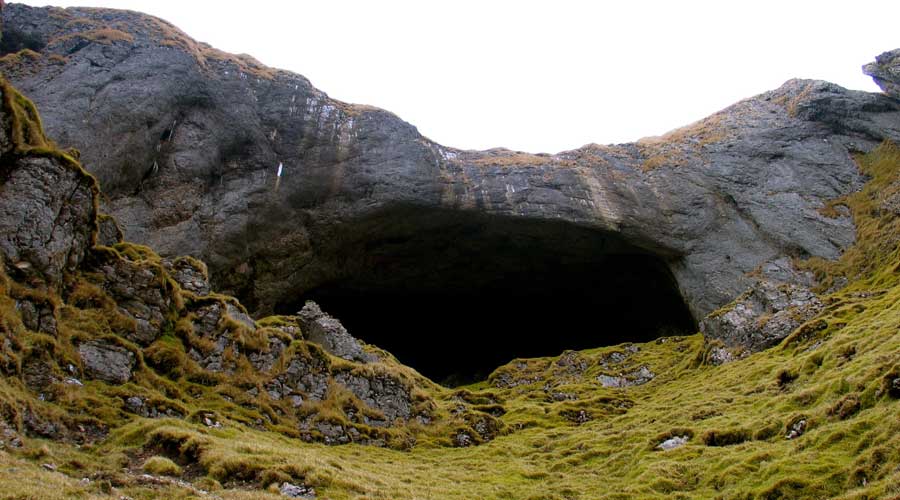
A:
(43, 236)
(767, 313)
(328, 332)
(886, 72)
(107, 362)
(186, 142)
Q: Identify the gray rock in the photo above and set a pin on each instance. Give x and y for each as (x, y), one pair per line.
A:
(297, 491)
(306, 375)
(134, 404)
(640, 376)
(109, 231)
(797, 429)
(190, 274)
(673, 442)
(196, 143)
(42, 234)
(140, 292)
(107, 362)
(209, 323)
(763, 316)
(719, 355)
(37, 316)
(885, 70)
(321, 328)
(381, 392)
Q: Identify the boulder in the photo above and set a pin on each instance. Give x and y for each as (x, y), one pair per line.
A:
(885, 70)
(190, 274)
(762, 317)
(43, 235)
(106, 361)
(328, 332)
(141, 293)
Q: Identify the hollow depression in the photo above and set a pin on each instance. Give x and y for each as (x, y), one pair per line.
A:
(457, 294)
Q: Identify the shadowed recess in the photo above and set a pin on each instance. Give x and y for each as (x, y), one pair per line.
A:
(457, 294)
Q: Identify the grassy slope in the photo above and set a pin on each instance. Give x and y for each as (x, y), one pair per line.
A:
(832, 372)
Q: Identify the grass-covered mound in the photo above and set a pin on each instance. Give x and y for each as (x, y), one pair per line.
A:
(815, 417)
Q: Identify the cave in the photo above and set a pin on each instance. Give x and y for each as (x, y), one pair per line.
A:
(457, 294)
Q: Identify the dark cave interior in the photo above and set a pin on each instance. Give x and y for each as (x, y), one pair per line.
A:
(456, 295)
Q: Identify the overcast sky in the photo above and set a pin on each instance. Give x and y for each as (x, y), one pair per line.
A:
(543, 76)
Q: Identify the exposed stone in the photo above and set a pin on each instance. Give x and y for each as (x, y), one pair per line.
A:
(640, 376)
(37, 316)
(612, 358)
(578, 416)
(109, 231)
(797, 429)
(381, 392)
(297, 491)
(885, 70)
(42, 234)
(38, 373)
(107, 362)
(673, 442)
(140, 291)
(307, 375)
(572, 364)
(462, 439)
(719, 355)
(134, 404)
(190, 274)
(321, 328)
(763, 316)
(714, 200)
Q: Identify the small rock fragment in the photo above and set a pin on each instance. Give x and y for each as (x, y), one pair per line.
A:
(297, 491)
(673, 442)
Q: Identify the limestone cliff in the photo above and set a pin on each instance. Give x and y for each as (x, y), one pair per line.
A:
(186, 142)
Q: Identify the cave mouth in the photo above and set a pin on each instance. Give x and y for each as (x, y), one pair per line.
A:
(457, 294)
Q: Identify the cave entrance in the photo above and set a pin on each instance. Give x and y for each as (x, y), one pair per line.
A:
(456, 294)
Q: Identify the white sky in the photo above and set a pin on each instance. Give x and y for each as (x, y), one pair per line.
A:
(543, 76)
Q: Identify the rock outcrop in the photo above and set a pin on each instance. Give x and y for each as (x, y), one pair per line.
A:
(138, 326)
(187, 142)
(328, 332)
(885, 70)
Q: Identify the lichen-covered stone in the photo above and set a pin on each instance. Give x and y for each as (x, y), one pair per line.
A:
(639, 376)
(190, 274)
(46, 219)
(763, 316)
(141, 293)
(885, 70)
(109, 232)
(214, 322)
(304, 375)
(105, 361)
(321, 328)
(37, 316)
(384, 393)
